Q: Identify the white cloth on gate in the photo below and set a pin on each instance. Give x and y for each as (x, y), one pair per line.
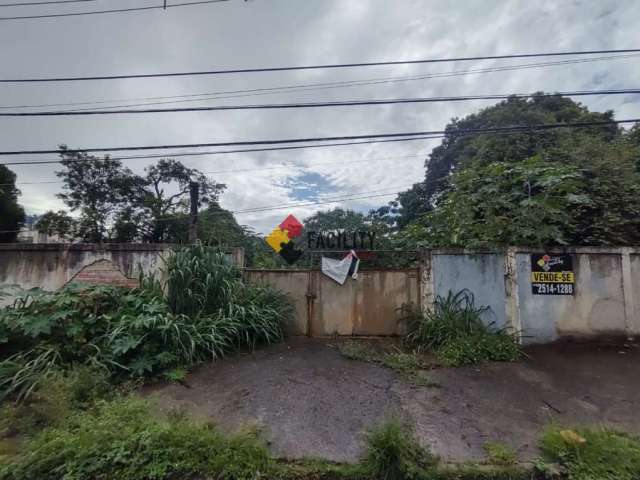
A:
(339, 270)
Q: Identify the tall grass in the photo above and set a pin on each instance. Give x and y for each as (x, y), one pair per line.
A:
(199, 280)
(454, 330)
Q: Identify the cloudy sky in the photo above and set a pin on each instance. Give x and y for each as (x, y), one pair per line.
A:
(262, 33)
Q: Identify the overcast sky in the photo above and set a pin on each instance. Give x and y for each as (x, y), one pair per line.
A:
(261, 33)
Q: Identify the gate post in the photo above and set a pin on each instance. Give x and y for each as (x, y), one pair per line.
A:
(512, 301)
(426, 279)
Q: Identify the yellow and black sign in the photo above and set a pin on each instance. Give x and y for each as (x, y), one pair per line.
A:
(552, 275)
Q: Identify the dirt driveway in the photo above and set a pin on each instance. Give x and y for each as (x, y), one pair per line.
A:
(313, 402)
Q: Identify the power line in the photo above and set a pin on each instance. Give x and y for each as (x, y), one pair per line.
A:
(396, 136)
(225, 152)
(260, 169)
(49, 2)
(309, 86)
(309, 67)
(345, 103)
(118, 10)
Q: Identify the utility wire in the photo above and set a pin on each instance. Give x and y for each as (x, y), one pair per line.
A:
(306, 87)
(258, 169)
(310, 67)
(397, 136)
(345, 103)
(224, 152)
(48, 2)
(118, 10)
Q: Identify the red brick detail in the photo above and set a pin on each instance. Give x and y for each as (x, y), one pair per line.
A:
(103, 272)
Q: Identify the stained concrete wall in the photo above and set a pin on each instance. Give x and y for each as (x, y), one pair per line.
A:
(606, 300)
(599, 307)
(52, 266)
(482, 274)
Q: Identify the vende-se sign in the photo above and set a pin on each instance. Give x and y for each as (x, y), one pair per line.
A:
(552, 275)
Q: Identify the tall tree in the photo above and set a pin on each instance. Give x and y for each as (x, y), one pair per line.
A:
(458, 149)
(11, 213)
(97, 187)
(163, 193)
(581, 191)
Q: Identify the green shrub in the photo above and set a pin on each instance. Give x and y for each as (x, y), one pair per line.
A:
(454, 330)
(122, 439)
(393, 453)
(137, 333)
(590, 454)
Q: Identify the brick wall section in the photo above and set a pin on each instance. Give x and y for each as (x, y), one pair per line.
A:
(104, 272)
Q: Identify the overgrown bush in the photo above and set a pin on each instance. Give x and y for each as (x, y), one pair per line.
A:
(393, 453)
(590, 454)
(207, 312)
(454, 330)
(123, 439)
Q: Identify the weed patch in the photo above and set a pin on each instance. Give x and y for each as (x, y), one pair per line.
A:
(500, 454)
(393, 453)
(412, 366)
(120, 439)
(589, 454)
(453, 329)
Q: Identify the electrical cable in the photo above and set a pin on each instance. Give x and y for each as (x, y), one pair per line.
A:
(344, 103)
(224, 152)
(396, 136)
(261, 169)
(47, 2)
(308, 87)
(311, 67)
(118, 10)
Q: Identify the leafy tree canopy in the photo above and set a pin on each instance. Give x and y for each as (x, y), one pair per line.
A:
(58, 223)
(564, 187)
(11, 213)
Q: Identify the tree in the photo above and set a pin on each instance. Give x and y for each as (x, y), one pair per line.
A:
(97, 187)
(11, 213)
(158, 202)
(57, 223)
(586, 192)
(458, 150)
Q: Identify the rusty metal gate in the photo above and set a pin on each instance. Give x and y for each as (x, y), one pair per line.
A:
(365, 306)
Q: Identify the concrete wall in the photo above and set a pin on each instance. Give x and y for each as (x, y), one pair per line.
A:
(606, 300)
(482, 274)
(52, 266)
